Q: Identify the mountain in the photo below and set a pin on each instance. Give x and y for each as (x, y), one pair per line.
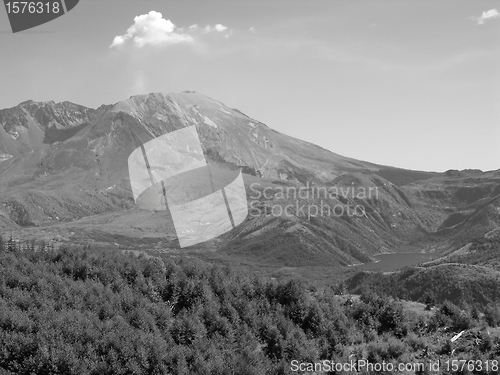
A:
(64, 177)
(468, 272)
(469, 275)
(459, 283)
(35, 124)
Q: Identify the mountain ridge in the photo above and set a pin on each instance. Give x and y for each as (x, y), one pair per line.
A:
(65, 176)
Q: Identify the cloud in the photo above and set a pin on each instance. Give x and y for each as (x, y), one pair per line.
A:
(489, 14)
(152, 30)
(217, 28)
(220, 28)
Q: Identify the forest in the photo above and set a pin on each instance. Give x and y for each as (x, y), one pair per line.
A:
(85, 310)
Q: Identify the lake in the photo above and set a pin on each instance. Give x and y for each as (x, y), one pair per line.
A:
(392, 262)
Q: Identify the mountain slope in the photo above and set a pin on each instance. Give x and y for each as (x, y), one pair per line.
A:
(458, 283)
(64, 174)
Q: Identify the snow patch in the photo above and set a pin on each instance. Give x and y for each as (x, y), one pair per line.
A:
(161, 117)
(4, 157)
(209, 122)
(222, 108)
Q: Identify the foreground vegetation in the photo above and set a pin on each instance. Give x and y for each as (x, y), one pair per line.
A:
(95, 311)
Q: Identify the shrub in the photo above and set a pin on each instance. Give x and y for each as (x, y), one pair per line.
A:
(492, 316)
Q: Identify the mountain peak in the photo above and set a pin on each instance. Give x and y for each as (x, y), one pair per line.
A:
(26, 102)
(48, 103)
(184, 105)
(186, 95)
(30, 117)
(30, 103)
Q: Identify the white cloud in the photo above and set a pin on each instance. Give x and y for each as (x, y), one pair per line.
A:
(207, 29)
(151, 29)
(220, 28)
(489, 14)
(217, 28)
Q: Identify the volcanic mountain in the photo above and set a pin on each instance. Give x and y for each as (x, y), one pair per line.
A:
(64, 176)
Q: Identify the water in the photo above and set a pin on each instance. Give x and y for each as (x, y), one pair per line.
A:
(392, 262)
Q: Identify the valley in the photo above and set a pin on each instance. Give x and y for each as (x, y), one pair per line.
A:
(66, 181)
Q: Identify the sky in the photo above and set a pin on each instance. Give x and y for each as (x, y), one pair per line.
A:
(411, 84)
